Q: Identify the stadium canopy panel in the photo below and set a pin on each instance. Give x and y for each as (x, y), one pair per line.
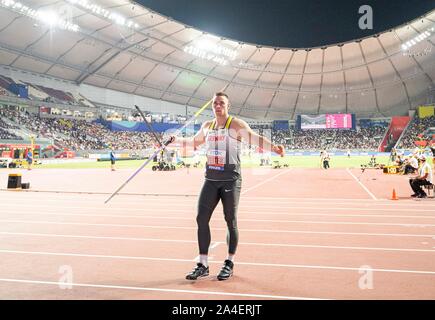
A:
(123, 46)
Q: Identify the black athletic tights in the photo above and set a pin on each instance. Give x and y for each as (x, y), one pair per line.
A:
(211, 193)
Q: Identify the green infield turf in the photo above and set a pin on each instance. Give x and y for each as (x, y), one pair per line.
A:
(291, 161)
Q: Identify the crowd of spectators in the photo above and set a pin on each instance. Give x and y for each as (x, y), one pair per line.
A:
(416, 127)
(331, 139)
(79, 134)
(260, 126)
(5, 133)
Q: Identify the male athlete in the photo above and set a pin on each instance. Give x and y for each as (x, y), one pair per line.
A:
(29, 159)
(112, 159)
(223, 179)
(324, 159)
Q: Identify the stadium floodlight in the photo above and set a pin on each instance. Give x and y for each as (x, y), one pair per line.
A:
(104, 13)
(117, 18)
(207, 50)
(8, 3)
(419, 38)
(48, 17)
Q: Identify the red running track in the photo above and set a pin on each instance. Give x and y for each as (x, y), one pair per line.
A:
(304, 234)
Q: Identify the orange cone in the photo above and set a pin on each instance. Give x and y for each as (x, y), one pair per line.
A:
(394, 196)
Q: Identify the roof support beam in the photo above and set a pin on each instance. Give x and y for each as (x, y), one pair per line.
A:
(36, 56)
(300, 85)
(134, 56)
(165, 58)
(321, 81)
(371, 79)
(181, 71)
(344, 78)
(21, 17)
(279, 84)
(256, 81)
(141, 83)
(85, 37)
(85, 75)
(202, 82)
(397, 74)
(237, 72)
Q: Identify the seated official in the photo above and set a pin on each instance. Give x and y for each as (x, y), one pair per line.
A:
(425, 177)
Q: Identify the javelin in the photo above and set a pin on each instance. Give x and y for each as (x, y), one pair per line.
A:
(162, 146)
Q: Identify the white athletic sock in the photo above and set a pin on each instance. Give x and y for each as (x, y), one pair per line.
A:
(230, 257)
(203, 258)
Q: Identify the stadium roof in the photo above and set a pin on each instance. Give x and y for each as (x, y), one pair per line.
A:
(290, 23)
(124, 46)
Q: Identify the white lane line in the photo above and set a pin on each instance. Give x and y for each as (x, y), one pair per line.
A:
(58, 196)
(419, 225)
(178, 199)
(285, 245)
(214, 245)
(243, 201)
(101, 286)
(332, 208)
(210, 257)
(278, 265)
(164, 206)
(265, 181)
(180, 217)
(90, 194)
(358, 234)
(339, 247)
(363, 186)
(94, 237)
(158, 196)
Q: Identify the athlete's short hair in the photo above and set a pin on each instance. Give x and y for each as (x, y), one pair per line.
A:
(221, 94)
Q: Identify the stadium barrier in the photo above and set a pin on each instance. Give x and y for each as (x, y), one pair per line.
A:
(352, 153)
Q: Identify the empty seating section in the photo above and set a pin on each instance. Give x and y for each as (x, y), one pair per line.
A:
(58, 94)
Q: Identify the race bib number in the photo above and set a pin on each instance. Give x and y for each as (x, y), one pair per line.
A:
(216, 159)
